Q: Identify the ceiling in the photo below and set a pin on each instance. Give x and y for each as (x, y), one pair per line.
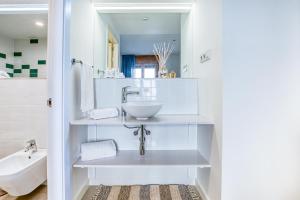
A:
(22, 26)
(157, 23)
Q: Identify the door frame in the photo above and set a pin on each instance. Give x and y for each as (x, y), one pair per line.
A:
(58, 172)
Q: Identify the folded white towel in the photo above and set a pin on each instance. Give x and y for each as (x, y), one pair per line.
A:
(87, 88)
(104, 113)
(97, 150)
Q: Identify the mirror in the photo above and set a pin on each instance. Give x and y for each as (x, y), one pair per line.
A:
(23, 45)
(138, 45)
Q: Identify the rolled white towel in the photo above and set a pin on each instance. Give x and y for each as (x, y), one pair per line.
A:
(104, 113)
(97, 150)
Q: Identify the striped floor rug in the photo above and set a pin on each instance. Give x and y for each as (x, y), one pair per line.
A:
(2, 193)
(142, 192)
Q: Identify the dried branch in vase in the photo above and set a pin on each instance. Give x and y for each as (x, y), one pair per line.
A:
(162, 51)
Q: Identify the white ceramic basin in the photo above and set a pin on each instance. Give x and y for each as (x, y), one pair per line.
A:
(142, 110)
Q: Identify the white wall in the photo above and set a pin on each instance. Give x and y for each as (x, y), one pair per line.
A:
(143, 44)
(6, 47)
(261, 135)
(81, 48)
(23, 110)
(206, 36)
(23, 114)
(31, 53)
(161, 90)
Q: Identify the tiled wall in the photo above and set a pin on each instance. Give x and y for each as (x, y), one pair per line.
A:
(178, 96)
(23, 114)
(24, 58)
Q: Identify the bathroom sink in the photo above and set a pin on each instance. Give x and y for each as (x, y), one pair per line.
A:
(142, 110)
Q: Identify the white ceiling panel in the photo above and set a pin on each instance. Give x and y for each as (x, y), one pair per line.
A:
(22, 26)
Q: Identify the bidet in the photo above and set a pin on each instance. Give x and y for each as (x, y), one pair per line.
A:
(20, 175)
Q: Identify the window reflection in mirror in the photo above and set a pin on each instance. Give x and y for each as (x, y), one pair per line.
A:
(130, 39)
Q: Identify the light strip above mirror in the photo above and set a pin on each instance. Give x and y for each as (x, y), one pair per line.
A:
(143, 7)
(23, 8)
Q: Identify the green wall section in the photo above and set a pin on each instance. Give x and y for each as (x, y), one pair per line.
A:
(17, 54)
(33, 72)
(2, 55)
(9, 66)
(13, 70)
(17, 71)
(41, 62)
(34, 41)
(25, 66)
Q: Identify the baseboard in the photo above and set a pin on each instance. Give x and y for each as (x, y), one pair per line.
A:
(201, 190)
(82, 191)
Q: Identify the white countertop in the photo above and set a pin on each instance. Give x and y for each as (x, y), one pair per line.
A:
(157, 120)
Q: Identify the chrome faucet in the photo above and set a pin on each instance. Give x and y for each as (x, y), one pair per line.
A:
(30, 147)
(125, 93)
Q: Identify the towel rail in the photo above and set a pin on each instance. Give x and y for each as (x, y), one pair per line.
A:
(75, 61)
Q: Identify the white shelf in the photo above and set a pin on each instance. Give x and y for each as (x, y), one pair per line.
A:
(152, 158)
(158, 120)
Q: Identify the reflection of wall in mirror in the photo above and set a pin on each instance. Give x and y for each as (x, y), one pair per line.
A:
(173, 64)
(103, 57)
(112, 52)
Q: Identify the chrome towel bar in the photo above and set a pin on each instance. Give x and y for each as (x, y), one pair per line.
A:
(75, 61)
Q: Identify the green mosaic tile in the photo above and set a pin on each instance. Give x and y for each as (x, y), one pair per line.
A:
(2, 55)
(25, 66)
(9, 66)
(17, 54)
(33, 75)
(11, 74)
(17, 71)
(41, 62)
(33, 71)
(34, 41)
